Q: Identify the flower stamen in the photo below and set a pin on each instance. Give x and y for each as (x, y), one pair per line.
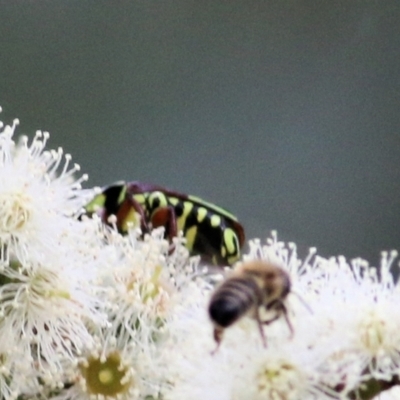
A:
(15, 211)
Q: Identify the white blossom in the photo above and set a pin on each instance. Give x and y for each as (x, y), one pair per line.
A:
(392, 394)
(38, 194)
(116, 367)
(88, 314)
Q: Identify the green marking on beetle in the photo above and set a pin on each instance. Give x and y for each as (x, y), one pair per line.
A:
(215, 220)
(230, 240)
(212, 207)
(231, 260)
(122, 195)
(131, 220)
(161, 197)
(174, 201)
(190, 237)
(201, 214)
(140, 198)
(187, 209)
(97, 202)
(223, 251)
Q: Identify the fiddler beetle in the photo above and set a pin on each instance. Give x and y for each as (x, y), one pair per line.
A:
(210, 231)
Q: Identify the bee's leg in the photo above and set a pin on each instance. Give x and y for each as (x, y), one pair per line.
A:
(289, 324)
(280, 308)
(218, 332)
(269, 321)
(166, 217)
(260, 328)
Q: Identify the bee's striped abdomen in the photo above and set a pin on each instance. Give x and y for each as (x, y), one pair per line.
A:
(233, 299)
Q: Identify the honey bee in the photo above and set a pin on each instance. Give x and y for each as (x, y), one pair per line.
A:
(253, 285)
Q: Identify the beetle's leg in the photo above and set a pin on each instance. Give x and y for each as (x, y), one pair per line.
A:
(130, 203)
(124, 211)
(166, 217)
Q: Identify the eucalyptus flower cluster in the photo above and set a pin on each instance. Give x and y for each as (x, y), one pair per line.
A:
(345, 343)
(87, 314)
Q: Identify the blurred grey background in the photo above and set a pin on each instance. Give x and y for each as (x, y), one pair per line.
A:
(285, 112)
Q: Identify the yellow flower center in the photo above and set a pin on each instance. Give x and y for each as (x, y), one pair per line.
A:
(373, 335)
(108, 378)
(280, 381)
